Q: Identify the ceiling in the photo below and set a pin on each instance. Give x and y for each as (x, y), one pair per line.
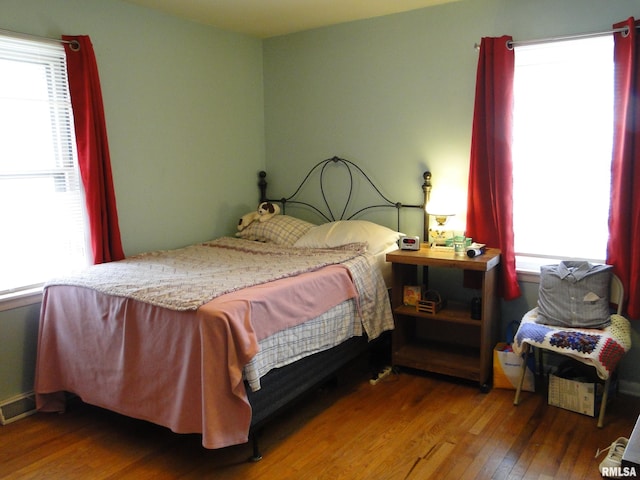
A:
(268, 18)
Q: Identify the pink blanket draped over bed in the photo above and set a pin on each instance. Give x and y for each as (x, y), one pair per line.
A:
(174, 368)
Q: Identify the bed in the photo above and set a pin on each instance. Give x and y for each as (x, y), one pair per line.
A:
(215, 338)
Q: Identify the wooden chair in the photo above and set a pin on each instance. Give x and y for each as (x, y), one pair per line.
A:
(614, 340)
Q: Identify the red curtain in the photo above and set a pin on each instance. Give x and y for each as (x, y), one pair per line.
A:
(623, 249)
(93, 149)
(490, 194)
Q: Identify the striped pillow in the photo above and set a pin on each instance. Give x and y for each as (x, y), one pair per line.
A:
(281, 230)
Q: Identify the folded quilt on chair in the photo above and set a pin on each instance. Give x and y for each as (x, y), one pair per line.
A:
(602, 349)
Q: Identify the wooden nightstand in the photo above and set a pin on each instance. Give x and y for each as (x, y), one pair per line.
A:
(450, 341)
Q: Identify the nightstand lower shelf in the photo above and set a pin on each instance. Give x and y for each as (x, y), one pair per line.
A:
(456, 361)
(448, 341)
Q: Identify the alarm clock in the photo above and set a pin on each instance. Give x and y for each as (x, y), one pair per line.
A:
(410, 243)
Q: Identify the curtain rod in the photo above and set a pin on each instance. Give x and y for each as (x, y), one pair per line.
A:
(562, 38)
(28, 36)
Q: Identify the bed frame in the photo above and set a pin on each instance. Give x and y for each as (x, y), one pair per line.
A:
(282, 386)
(328, 211)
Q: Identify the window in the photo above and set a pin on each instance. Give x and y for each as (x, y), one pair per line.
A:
(562, 145)
(41, 203)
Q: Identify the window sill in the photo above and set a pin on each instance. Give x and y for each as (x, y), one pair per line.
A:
(528, 267)
(527, 276)
(21, 298)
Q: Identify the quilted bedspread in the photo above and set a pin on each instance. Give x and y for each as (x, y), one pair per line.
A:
(184, 368)
(601, 349)
(187, 278)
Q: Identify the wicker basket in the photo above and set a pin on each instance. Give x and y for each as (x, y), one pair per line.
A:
(432, 302)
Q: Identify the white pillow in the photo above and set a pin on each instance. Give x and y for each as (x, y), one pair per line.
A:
(343, 232)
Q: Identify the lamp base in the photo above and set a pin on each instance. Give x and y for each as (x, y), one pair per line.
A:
(440, 237)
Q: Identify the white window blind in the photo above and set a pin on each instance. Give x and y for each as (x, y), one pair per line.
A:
(41, 199)
(562, 146)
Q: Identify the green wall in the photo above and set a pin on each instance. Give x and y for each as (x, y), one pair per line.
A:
(395, 94)
(194, 112)
(185, 118)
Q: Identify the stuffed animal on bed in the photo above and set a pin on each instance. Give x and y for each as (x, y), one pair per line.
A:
(265, 211)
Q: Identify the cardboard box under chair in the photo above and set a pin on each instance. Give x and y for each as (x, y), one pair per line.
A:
(577, 395)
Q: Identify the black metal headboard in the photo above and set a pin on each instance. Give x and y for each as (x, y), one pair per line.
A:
(352, 170)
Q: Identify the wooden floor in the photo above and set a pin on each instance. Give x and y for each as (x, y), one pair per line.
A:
(408, 426)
